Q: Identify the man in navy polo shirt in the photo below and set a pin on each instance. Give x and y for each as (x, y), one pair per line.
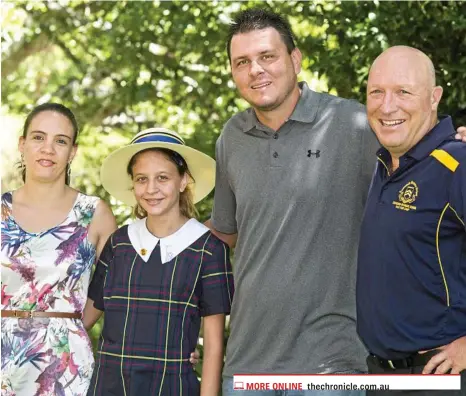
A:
(411, 281)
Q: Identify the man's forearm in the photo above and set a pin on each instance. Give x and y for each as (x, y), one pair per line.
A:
(229, 239)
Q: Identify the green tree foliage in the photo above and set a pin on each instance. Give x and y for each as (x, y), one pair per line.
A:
(124, 66)
(355, 33)
(127, 65)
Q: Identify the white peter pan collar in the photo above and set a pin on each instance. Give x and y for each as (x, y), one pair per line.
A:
(144, 242)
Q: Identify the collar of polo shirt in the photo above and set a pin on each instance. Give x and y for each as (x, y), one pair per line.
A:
(305, 110)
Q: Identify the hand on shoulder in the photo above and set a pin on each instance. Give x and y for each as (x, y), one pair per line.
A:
(461, 133)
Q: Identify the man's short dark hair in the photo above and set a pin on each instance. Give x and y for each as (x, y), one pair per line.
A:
(258, 19)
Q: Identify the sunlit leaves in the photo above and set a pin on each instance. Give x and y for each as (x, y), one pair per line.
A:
(128, 65)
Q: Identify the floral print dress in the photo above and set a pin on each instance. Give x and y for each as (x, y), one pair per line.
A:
(46, 271)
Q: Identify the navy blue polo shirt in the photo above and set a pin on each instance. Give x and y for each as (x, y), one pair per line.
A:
(411, 280)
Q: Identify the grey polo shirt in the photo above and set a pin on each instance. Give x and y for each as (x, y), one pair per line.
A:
(296, 199)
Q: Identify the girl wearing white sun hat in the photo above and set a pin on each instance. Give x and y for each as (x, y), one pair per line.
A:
(158, 276)
(200, 165)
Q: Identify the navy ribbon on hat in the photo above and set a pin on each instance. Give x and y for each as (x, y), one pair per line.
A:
(157, 137)
(152, 137)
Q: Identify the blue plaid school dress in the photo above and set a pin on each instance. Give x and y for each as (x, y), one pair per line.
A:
(154, 298)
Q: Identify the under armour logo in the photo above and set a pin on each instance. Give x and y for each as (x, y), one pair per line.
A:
(316, 153)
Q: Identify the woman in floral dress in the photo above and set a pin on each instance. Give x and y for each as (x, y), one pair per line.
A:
(50, 239)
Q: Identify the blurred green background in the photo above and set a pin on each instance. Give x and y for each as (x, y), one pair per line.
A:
(128, 65)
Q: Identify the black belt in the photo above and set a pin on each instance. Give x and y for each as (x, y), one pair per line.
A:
(415, 360)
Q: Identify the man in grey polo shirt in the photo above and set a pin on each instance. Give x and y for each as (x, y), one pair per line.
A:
(292, 177)
(293, 172)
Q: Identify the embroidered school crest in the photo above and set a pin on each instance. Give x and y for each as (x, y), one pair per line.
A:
(407, 196)
(408, 193)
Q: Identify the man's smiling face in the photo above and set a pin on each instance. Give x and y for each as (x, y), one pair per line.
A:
(401, 98)
(262, 69)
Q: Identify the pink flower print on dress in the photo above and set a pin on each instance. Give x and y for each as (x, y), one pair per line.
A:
(22, 266)
(5, 297)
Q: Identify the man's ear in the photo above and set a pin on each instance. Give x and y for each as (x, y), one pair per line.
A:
(436, 96)
(296, 58)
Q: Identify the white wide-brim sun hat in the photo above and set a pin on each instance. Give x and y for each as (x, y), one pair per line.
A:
(117, 182)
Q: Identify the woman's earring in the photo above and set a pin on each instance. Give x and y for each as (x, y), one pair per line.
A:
(68, 171)
(22, 165)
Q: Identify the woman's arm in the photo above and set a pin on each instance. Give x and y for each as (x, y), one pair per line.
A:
(214, 326)
(90, 314)
(102, 226)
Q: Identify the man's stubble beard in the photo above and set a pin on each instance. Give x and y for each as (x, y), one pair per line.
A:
(275, 105)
